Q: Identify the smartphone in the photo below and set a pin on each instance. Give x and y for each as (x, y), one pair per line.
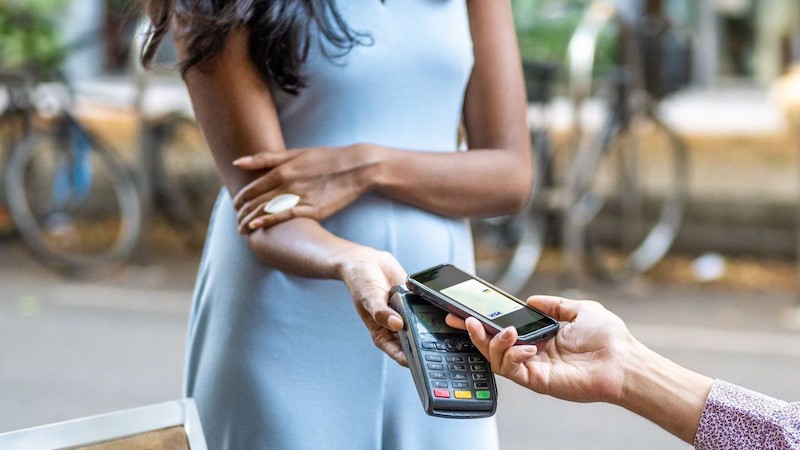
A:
(465, 295)
(452, 378)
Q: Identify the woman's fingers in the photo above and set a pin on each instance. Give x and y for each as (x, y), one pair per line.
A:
(256, 187)
(388, 342)
(270, 161)
(252, 205)
(382, 314)
(263, 160)
(259, 220)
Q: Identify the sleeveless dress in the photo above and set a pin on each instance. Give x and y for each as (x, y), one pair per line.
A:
(282, 362)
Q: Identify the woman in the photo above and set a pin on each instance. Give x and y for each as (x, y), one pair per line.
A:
(594, 358)
(354, 106)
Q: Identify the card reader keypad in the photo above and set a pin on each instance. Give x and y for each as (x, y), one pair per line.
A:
(454, 369)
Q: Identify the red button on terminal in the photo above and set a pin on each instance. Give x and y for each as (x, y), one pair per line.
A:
(441, 393)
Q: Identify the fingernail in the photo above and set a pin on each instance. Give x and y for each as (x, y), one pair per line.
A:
(242, 160)
(395, 323)
(505, 333)
(529, 349)
(254, 224)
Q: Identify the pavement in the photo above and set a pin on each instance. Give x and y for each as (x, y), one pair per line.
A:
(72, 348)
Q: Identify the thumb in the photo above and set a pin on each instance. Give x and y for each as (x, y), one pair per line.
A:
(561, 309)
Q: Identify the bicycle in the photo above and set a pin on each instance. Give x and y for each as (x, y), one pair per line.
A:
(14, 124)
(578, 207)
(72, 200)
(78, 206)
(627, 186)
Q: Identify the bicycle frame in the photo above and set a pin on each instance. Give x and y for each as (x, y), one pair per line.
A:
(629, 101)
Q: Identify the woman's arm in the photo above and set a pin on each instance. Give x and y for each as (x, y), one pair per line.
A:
(493, 178)
(237, 115)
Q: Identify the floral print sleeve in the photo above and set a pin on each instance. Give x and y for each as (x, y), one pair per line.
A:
(737, 418)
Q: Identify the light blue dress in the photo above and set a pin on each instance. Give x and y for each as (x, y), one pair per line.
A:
(281, 362)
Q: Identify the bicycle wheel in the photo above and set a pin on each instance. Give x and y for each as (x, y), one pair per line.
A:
(13, 127)
(185, 181)
(74, 203)
(631, 189)
(508, 248)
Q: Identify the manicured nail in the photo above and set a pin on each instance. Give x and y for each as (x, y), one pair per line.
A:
(395, 322)
(242, 160)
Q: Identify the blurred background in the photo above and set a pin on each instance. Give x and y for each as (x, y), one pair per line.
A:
(666, 136)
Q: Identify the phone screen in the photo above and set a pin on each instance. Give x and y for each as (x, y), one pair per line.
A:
(483, 299)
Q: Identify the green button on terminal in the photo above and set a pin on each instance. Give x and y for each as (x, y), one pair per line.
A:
(483, 395)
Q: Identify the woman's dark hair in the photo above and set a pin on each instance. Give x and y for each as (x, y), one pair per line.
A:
(281, 32)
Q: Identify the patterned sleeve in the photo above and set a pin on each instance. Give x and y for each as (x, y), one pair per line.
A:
(737, 418)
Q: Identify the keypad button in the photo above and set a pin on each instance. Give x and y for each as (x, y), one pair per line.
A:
(429, 345)
(443, 384)
(437, 375)
(441, 393)
(476, 359)
(433, 358)
(462, 345)
(434, 366)
(450, 345)
(440, 346)
(455, 359)
(460, 385)
(483, 395)
(457, 367)
(479, 385)
(477, 367)
(479, 376)
(458, 376)
(463, 394)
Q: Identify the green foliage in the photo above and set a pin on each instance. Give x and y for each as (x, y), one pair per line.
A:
(545, 27)
(29, 36)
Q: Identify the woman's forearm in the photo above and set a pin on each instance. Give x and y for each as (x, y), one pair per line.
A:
(463, 184)
(669, 395)
(304, 248)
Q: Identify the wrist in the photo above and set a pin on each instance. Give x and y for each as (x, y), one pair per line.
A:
(345, 260)
(376, 172)
(637, 362)
(664, 392)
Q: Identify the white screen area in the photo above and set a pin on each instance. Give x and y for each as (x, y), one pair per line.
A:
(481, 298)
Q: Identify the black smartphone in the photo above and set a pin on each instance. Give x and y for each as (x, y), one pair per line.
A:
(452, 378)
(465, 295)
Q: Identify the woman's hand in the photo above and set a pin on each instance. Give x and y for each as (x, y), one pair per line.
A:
(327, 179)
(369, 275)
(584, 362)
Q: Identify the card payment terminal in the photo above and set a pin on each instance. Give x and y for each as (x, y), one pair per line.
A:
(452, 378)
